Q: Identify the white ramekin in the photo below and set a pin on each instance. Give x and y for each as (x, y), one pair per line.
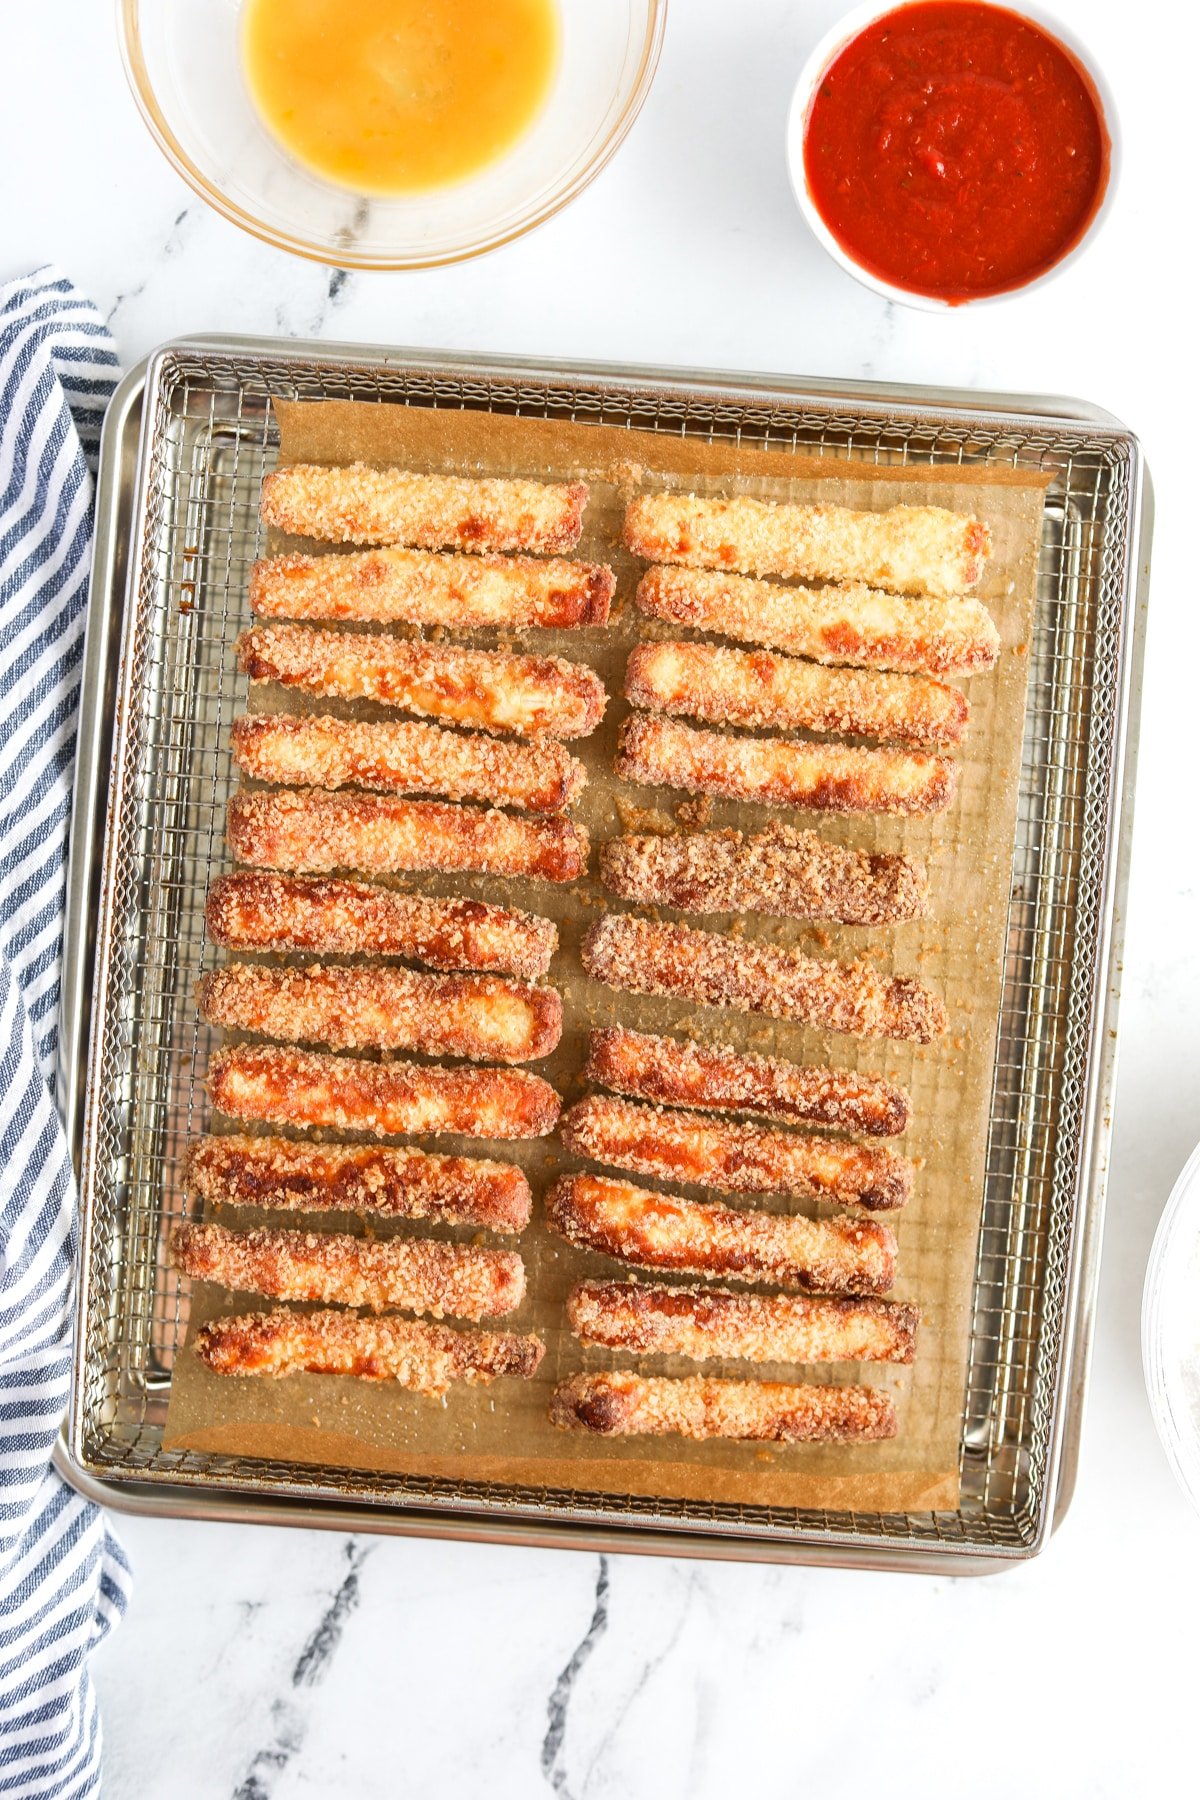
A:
(827, 50)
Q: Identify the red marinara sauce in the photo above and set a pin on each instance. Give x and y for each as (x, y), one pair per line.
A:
(956, 149)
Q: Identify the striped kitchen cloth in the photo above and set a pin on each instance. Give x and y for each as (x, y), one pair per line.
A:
(63, 1577)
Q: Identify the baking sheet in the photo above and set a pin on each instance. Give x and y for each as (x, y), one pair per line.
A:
(500, 1433)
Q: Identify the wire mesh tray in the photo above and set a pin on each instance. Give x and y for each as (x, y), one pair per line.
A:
(188, 440)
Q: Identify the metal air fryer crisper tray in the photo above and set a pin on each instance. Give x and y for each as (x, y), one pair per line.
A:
(188, 439)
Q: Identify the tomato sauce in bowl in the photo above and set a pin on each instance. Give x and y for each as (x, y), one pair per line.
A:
(956, 150)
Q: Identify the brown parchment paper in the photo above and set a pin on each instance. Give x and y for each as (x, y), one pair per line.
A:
(501, 1433)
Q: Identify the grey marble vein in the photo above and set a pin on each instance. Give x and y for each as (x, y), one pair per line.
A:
(560, 1698)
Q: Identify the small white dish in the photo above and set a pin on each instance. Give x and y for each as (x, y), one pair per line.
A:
(830, 47)
(1171, 1329)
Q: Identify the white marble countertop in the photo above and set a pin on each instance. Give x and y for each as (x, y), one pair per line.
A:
(269, 1665)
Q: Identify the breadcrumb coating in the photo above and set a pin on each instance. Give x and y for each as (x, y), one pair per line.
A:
(416, 1274)
(396, 758)
(410, 587)
(396, 1183)
(766, 692)
(858, 625)
(305, 1087)
(705, 1323)
(909, 549)
(252, 911)
(486, 1018)
(783, 871)
(427, 1359)
(618, 1403)
(362, 505)
(659, 1231)
(490, 690)
(642, 956)
(834, 778)
(307, 831)
(722, 1079)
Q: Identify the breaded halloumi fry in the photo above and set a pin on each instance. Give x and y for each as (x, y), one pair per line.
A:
(361, 505)
(411, 587)
(491, 690)
(736, 1159)
(486, 1018)
(305, 1087)
(702, 1323)
(818, 777)
(424, 1358)
(306, 831)
(660, 1231)
(643, 956)
(415, 1274)
(909, 549)
(618, 1403)
(721, 1079)
(784, 871)
(266, 911)
(767, 692)
(857, 625)
(405, 758)
(398, 1183)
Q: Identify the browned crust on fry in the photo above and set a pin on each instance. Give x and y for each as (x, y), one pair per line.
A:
(486, 1018)
(703, 1323)
(907, 549)
(618, 1403)
(855, 625)
(660, 1231)
(835, 778)
(396, 1183)
(416, 1274)
(411, 587)
(737, 1159)
(490, 690)
(253, 911)
(642, 956)
(723, 1079)
(783, 870)
(304, 1087)
(766, 692)
(424, 1358)
(304, 830)
(361, 505)
(406, 758)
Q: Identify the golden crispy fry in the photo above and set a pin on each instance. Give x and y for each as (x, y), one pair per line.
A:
(484, 1017)
(641, 956)
(303, 1087)
(833, 625)
(406, 758)
(737, 1159)
(910, 549)
(344, 918)
(781, 693)
(361, 505)
(423, 1358)
(702, 1323)
(410, 587)
(722, 1079)
(618, 1403)
(782, 870)
(404, 1183)
(659, 1231)
(492, 690)
(306, 830)
(836, 778)
(415, 1274)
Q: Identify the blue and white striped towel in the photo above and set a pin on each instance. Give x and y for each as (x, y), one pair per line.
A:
(63, 1576)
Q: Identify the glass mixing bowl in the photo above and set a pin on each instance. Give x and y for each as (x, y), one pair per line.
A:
(183, 60)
